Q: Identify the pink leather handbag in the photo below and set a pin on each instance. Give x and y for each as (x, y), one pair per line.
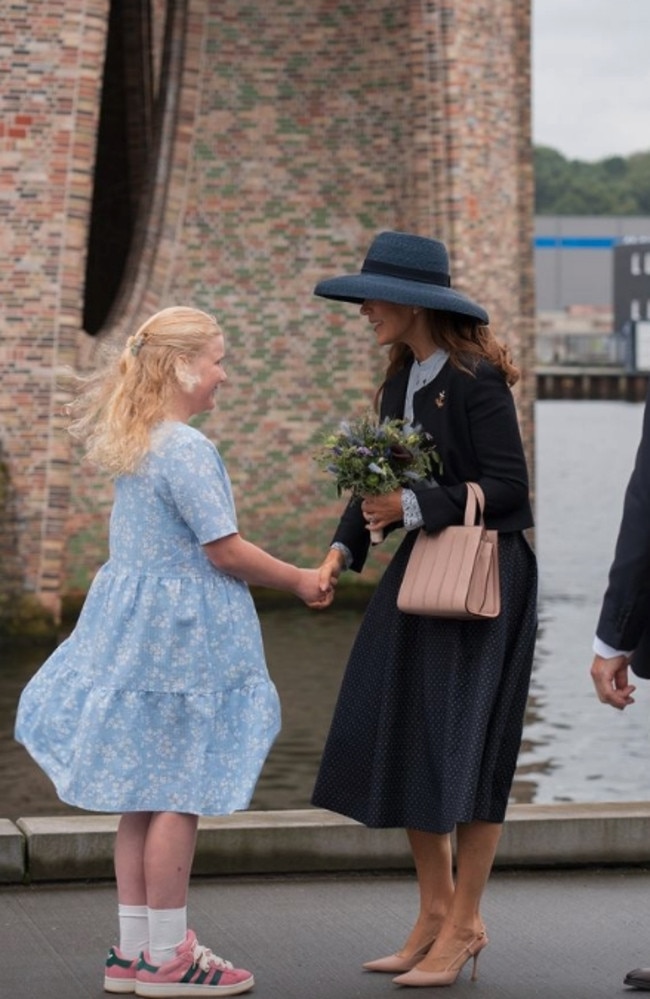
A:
(454, 572)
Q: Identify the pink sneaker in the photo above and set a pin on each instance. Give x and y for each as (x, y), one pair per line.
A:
(119, 972)
(195, 971)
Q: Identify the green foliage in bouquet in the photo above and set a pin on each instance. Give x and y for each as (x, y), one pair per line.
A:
(368, 458)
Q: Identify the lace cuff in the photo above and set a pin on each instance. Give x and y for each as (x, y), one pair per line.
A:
(347, 554)
(411, 510)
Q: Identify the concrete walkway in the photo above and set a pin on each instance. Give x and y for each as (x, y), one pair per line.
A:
(302, 898)
(569, 934)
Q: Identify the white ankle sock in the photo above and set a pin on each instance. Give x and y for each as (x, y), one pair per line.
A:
(134, 929)
(167, 929)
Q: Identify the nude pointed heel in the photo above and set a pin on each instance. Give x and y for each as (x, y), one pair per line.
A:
(395, 963)
(451, 972)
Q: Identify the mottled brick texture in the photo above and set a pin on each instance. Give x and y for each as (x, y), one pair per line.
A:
(292, 132)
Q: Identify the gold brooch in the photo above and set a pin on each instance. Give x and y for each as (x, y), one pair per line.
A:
(440, 399)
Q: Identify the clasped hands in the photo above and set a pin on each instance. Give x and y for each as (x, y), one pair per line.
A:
(379, 512)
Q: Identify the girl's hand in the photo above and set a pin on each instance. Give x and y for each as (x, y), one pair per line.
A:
(316, 591)
(328, 575)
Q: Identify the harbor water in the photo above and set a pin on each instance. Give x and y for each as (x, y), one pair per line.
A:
(574, 750)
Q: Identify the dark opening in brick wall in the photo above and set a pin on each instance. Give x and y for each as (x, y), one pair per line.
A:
(125, 142)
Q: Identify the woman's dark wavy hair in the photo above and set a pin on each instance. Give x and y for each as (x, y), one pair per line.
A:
(466, 341)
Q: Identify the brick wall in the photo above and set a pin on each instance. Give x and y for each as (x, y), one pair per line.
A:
(291, 133)
(50, 66)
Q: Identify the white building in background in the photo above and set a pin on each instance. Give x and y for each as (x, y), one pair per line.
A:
(574, 260)
(592, 277)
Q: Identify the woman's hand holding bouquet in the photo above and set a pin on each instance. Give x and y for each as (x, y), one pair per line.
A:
(372, 459)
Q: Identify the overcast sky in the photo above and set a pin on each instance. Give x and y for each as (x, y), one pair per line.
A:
(591, 77)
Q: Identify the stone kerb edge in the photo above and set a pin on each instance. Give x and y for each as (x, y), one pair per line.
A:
(64, 848)
(306, 840)
(312, 840)
(556, 835)
(12, 853)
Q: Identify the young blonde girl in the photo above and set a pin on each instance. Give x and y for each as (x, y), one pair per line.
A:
(159, 705)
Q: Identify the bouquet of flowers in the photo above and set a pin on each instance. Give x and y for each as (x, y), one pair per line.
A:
(369, 458)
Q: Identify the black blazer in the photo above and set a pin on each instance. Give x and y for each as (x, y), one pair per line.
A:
(624, 621)
(473, 422)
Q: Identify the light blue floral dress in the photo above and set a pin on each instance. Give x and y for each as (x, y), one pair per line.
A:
(160, 698)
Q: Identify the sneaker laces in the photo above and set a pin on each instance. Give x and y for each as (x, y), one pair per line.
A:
(205, 959)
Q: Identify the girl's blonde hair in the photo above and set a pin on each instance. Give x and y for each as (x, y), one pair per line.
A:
(118, 406)
(466, 341)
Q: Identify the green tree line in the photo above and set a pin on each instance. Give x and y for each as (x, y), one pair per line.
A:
(617, 185)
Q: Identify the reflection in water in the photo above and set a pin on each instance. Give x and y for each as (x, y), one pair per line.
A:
(534, 760)
(585, 751)
(306, 653)
(574, 748)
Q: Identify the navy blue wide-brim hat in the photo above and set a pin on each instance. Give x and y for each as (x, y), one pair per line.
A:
(407, 270)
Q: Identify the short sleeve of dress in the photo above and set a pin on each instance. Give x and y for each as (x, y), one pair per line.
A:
(199, 486)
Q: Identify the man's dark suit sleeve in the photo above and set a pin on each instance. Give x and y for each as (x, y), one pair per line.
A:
(625, 612)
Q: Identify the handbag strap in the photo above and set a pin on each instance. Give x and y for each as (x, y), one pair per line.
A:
(475, 497)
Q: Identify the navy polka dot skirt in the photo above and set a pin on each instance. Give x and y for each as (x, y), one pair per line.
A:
(428, 723)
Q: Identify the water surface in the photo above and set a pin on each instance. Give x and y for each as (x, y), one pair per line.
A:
(575, 749)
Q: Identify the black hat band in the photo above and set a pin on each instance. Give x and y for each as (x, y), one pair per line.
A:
(409, 273)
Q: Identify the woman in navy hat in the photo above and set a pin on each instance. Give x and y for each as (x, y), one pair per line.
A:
(427, 728)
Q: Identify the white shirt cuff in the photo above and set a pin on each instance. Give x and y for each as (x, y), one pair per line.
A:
(606, 651)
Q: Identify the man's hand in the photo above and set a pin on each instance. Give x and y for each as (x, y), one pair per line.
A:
(611, 681)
